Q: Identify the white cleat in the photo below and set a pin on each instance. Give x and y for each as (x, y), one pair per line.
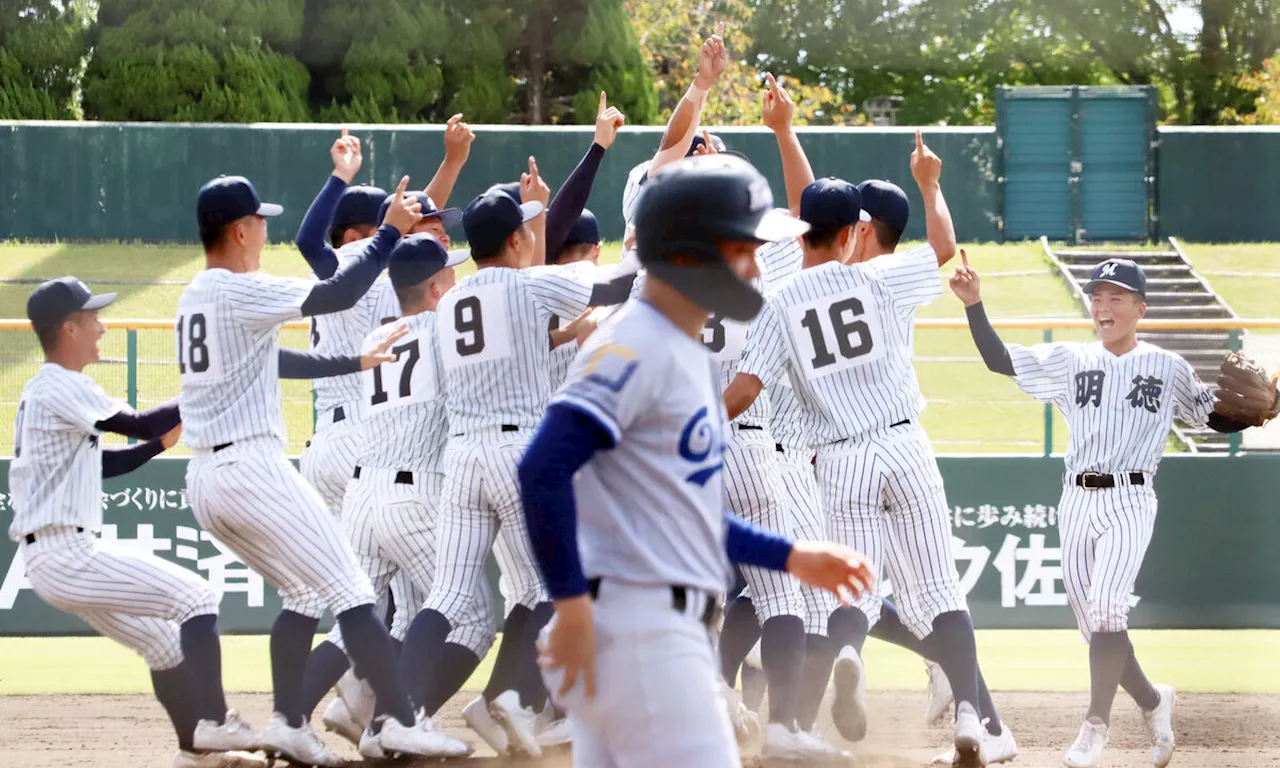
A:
(849, 707)
(551, 729)
(231, 735)
(422, 739)
(185, 759)
(996, 749)
(754, 659)
(940, 696)
(338, 720)
(1160, 727)
(358, 696)
(1086, 752)
(518, 722)
(830, 753)
(297, 745)
(783, 745)
(746, 724)
(969, 738)
(370, 747)
(477, 717)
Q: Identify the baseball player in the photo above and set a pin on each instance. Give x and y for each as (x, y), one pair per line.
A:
(244, 490)
(1120, 397)
(843, 334)
(641, 424)
(165, 613)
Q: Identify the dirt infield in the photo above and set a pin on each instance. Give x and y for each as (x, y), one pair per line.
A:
(1223, 731)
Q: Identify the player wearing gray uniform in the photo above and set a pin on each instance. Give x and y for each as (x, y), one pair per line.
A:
(165, 613)
(844, 336)
(1120, 397)
(244, 490)
(637, 433)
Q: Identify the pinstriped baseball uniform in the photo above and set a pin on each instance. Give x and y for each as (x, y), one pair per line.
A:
(492, 330)
(843, 335)
(243, 489)
(330, 455)
(631, 192)
(134, 598)
(1119, 410)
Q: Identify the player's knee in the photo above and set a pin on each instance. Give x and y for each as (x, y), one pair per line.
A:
(303, 602)
(199, 600)
(164, 651)
(1109, 616)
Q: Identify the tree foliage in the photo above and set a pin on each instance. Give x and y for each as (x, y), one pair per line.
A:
(42, 49)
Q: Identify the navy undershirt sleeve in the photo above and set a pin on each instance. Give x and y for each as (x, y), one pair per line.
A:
(312, 240)
(353, 279)
(748, 545)
(615, 291)
(993, 351)
(120, 461)
(308, 365)
(1225, 424)
(566, 440)
(570, 199)
(143, 425)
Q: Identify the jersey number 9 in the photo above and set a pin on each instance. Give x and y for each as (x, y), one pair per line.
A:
(467, 319)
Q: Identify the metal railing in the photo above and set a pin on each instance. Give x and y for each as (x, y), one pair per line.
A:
(988, 415)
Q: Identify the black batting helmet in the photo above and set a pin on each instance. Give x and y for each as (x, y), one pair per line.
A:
(691, 206)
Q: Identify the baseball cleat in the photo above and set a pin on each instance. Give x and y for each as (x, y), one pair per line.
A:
(1160, 727)
(940, 696)
(518, 721)
(969, 737)
(233, 734)
(746, 724)
(477, 717)
(358, 696)
(185, 759)
(552, 728)
(783, 745)
(1086, 751)
(422, 739)
(299, 745)
(338, 720)
(996, 749)
(849, 707)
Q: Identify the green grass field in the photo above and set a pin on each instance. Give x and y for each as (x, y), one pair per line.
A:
(1239, 661)
(970, 410)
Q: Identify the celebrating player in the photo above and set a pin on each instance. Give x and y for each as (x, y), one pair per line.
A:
(1120, 397)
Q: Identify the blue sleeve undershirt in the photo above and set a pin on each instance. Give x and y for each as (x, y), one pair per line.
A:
(120, 461)
(570, 199)
(308, 365)
(312, 238)
(143, 425)
(353, 279)
(748, 545)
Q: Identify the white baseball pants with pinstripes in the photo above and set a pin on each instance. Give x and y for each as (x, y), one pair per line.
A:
(883, 492)
(752, 485)
(481, 506)
(393, 527)
(1104, 535)
(798, 487)
(330, 458)
(134, 598)
(251, 498)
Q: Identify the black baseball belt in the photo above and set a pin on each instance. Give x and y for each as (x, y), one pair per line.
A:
(1092, 481)
(403, 477)
(30, 538)
(679, 600)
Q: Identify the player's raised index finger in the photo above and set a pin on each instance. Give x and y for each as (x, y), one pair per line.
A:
(402, 186)
(603, 104)
(344, 131)
(964, 258)
(919, 141)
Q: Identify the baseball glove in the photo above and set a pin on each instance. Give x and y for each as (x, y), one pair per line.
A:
(1245, 392)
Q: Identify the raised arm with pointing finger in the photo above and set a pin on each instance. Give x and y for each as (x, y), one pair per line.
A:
(776, 113)
(926, 167)
(683, 125)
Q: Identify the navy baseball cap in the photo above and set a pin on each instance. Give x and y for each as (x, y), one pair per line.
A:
(512, 189)
(1122, 272)
(449, 217)
(886, 201)
(492, 217)
(359, 206)
(54, 300)
(419, 257)
(228, 198)
(831, 203)
(585, 230)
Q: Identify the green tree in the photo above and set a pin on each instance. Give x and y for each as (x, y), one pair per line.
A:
(213, 60)
(43, 44)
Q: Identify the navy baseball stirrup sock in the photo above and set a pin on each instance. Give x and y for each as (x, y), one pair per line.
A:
(952, 639)
(173, 688)
(533, 692)
(782, 651)
(848, 626)
(1135, 683)
(987, 707)
(457, 664)
(1108, 655)
(421, 653)
(290, 640)
(202, 650)
(367, 639)
(889, 628)
(506, 667)
(819, 657)
(325, 665)
(740, 632)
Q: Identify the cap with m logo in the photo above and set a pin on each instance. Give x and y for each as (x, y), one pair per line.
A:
(1122, 272)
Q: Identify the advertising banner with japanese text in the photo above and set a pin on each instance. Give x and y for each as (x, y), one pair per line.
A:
(1212, 562)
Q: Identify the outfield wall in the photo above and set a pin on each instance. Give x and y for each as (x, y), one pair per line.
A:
(1212, 562)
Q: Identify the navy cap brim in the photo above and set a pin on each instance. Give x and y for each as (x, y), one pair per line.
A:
(456, 257)
(1089, 286)
(449, 217)
(269, 209)
(779, 225)
(530, 210)
(99, 301)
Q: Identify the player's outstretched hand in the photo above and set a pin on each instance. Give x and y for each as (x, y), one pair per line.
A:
(926, 166)
(777, 108)
(570, 646)
(457, 140)
(345, 153)
(170, 438)
(380, 354)
(404, 212)
(965, 283)
(532, 187)
(608, 121)
(832, 567)
(712, 59)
